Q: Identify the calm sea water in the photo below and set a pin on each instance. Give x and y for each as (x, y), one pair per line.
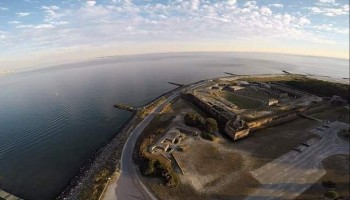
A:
(52, 119)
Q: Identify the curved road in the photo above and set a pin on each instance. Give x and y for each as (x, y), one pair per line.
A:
(129, 186)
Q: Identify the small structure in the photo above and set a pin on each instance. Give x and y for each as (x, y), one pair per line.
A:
(264, 85)
(168, 143)
(338, 100)
(234, 88)
(237, 128)
(272, 102)
(243, 83)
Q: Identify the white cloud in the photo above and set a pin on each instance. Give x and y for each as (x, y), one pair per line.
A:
(331, 28)
(90, 3)
(304, 21)
(277, 5)
(326, 1)
(22, 14)
(39, 26)
(13, 22)
(3, 8)
(50, 7)
(231, 2)
(121, 21)
(265, 11)
(344, 10)
(51, 13)
(195, 4)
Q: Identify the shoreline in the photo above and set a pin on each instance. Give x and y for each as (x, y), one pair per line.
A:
(113, 146)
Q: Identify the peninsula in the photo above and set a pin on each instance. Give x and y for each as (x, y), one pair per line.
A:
(239, 137)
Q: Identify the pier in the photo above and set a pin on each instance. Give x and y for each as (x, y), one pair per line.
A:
(231, 74)
(125, 107)
(177, 84)
(286, 72)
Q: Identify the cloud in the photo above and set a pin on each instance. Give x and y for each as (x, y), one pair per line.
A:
(331, 28)
(3, 8)
(122, 21)
(13, 22)
(90, 3)
(51, 13)
(231, 2)
(276, 5)
(304, 21)
(39, 26)
(326, 1)
(22, 14)
(343, 10)
(195, 4)
(265, 11)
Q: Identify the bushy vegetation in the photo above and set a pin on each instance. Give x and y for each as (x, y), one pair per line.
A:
(152, 165)
(147, 109)
(328, 184)
(208, 126)
(193, 119)
(94, 190)
(303, 83)
(156, 166)
(319, 87)
(208, 136)
(331, 194)
(211, 126)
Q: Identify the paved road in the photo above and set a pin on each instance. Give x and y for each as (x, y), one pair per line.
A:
(293, 173)
(128, 186)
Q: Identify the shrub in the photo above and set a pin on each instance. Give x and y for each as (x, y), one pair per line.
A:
(207, 136)
(193, 119)
(211, 126)
(331, 194)
(328, 184)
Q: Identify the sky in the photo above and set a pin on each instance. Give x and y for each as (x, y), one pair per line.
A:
(34, 32)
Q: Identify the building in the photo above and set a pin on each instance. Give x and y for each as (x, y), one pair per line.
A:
(234, 88)
(272, 102)
(243, 83)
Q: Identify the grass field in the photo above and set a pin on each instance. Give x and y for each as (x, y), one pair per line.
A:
(334, 114)
(240, 101)
(255, 93)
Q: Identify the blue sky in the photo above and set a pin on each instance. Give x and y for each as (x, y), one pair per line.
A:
(34, 31)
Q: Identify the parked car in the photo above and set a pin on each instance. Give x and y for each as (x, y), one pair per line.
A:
(305, 144)
(297, 149)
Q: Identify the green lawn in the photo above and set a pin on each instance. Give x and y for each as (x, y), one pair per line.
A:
(334, 114)
(240, 101)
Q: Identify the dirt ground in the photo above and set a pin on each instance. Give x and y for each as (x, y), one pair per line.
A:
(211, 171)
(337, 168)
(221, 170)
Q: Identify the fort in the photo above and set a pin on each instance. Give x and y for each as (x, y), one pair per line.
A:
(279, 104)
(197, 145)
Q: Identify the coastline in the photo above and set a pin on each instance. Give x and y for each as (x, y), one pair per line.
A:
(108, 155)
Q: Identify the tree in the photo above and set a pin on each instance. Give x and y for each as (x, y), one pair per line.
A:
(328, 184)
(193, 119)
(331, 194)
(211, 126)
